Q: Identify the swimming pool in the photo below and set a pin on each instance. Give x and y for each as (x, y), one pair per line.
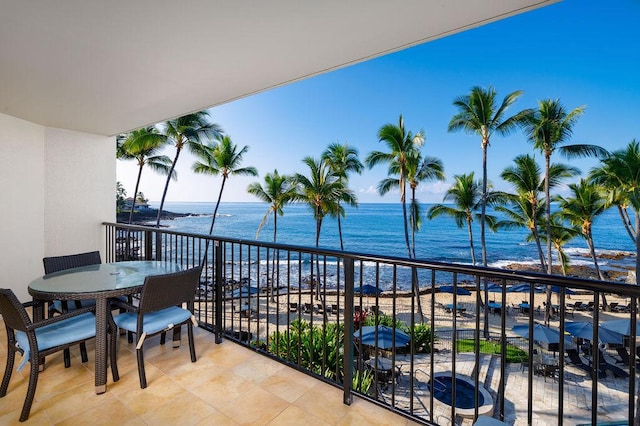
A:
(465, 394)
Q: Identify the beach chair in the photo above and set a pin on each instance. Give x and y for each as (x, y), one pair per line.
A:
(334, 309)
(319, 308)
(308, 308)
(293, 307)
(604, 366)
(576, 361)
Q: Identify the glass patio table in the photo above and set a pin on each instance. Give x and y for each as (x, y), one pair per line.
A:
(99, 282)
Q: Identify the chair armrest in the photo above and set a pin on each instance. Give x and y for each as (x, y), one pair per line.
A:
(58, 318)
(119, 303)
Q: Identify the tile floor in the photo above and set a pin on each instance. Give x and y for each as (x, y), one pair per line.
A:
(228, 385)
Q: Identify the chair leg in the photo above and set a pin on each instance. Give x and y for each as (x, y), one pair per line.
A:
(67, 358)
(83, 352)
(31, 390)
(192, 346)
(11, 356)
(141, 373)
(177, 332)
(163, 337)
(113, 352)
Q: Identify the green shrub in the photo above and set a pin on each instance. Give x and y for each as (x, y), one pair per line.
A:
(422, 338)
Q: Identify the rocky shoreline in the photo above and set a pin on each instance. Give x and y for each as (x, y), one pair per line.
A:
(145, 216)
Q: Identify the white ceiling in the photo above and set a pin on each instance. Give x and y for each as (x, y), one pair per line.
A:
(109, 66)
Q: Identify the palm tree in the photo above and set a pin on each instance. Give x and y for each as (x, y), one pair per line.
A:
(526, 177)
(342, 160)
(277, 191)
(323, 191)
(619, 173)
(190, 130)
(223, 158)
(465, 194)
(401, 145)
(548, 129)
(143, 146)
(477, 114)
(581, 209)
(561, 234)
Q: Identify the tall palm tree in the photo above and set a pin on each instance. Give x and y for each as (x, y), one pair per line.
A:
(342, 160)
(619, 173)
(277, 191)
(189, 131)
(478, 114)
(401, 144)
(526, 178)
(548, 129)
(465, 194)
(561, 234)
(323, 191)
(581, 209)
(143, 145)
(223, 158)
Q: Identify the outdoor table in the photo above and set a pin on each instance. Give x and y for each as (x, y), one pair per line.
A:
(494, 307)
(382, 364)
(449, 306)
(99, 282)
(524, 307)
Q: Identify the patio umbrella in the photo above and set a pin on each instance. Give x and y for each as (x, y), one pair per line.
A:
(584, 330)
(385, 336)
(554, 289)
(244, 291)
(460, 291)
(541, 333)
(523, 288)
(367, 290)
(492, 288)
(621, 326)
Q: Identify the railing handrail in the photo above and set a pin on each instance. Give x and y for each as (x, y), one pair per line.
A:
(629, 290)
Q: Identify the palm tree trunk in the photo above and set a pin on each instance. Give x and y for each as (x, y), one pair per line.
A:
(166, 188)
(592, 252)
(414, 272)
(213, 220)
(340, 228)
(413, 219)
(547, 195)
(317, 281)
(135, 194)
(627, 223)
(483, 243)
(536, 237)
(637, 215)
(470, 231)
(273, 268)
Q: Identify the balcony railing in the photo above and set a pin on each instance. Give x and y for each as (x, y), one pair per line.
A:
(309, 308)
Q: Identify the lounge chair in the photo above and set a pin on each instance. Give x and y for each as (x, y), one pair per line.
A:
(293, 307)
(604, 366)
(334, 309)
(319, 308)
(308, 308)
(574, 359)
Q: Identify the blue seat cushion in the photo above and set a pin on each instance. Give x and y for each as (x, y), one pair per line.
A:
(68, 330)
(154, 321)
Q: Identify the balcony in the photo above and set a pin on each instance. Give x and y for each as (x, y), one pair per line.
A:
(289, 321)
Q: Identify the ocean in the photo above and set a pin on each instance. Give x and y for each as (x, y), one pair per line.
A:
(377, 228)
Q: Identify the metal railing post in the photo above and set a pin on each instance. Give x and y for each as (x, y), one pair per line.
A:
(148, 245)
(348, 330)
(218, 292)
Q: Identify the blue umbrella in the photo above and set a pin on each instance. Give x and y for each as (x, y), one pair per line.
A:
(554, 289)
(244, 292)
(460, 291)
(541, 333)
(584, 330)
(385, 336)
(492, 288)
(367, 290)
(621, 326)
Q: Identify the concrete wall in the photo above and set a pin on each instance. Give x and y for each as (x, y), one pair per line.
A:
(58, 186)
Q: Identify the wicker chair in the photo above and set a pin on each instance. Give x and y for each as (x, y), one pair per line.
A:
(36, 340)
(160, 310)
(61, 263)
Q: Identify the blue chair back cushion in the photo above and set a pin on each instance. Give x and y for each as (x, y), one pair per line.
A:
(153, 322)
(69, 330)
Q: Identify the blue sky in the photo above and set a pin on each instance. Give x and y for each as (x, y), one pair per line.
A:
(583, 52)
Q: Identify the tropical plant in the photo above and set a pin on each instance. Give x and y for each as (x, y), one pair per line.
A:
(465, 194)
(222, 158)
(561, 234)
(121, 195)
(401, 144)
(323, 191)
(315, 348)
(342, 159)
(548, 129)
(277, 192)
(189, 131)
(418, 170)
(526, 178)
(144, 145)
(477, 114)
(421, 335)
